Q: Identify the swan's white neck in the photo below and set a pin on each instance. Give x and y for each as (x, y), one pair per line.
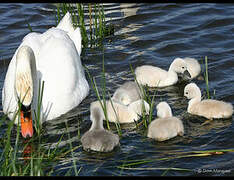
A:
(25, 74)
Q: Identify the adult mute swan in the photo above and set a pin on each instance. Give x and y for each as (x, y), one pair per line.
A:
(97, 138)
(52, 57)
(208, 108)
(127, 93)
(117, 112)
(166, 126)
(157, 77)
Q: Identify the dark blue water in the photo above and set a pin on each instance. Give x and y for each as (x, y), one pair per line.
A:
(152, 34)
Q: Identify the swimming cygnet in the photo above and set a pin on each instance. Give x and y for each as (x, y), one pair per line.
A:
(208, 108)
(166, 126)
(193, 67)
(127, 93)
(122, 113)
(97, 138)
(157, 77)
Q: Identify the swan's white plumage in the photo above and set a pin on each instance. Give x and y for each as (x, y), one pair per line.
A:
(165, 126)
(157, 77)
(208, 108)
(122, 113)
(58, 64)
(97, 138)
(66, 25)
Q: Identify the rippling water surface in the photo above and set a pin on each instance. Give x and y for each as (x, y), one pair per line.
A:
(152, 34)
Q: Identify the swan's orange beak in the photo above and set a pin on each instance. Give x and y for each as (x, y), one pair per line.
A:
(26, 124)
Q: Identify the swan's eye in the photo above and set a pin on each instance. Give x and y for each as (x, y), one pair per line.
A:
(182, 67)
(186, 92)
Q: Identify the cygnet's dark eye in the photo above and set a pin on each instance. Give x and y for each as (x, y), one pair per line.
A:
(186, 92)
(182, 67)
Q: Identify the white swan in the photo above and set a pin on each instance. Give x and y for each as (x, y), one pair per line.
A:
(97, 138)
(52, 57)
(127, 93)
(193, 67)
(122, 113)
(166, 126)
(207, 108)
(157, 77)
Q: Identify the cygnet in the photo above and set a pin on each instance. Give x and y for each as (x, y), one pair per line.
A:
(166, 126)
(127, 93)
(208, 108)
(157, 77)
(97, 138)
(117, 112)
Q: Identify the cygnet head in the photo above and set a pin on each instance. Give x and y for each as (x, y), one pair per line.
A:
(163, 110)
(191, 91)
(179, 66)
(122, 97)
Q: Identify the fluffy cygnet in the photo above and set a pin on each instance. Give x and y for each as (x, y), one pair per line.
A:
(193, 67)
(97, 138)
(122, 113)
(127, 93)
(207, 108)
(157, 77)
(166, 126)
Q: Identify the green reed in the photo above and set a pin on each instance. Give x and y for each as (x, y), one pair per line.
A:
(105, 95)
(206, 77)
(97, 28)
(12, 158)
(146, 119)
(130, 164)
(72, 152)
(29, 26)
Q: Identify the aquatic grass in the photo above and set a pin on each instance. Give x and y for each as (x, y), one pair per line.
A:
(146, 119)
(156, 168)
(29, 26)
(72, 152)
(10, 153)
(176, 155)
(6, 155)
(104, 88)
(98, 28)
(117, 124)
(37, 114)
(95, 88)
(206, 75)
(102, 100)
(33, 161)
(30, 160)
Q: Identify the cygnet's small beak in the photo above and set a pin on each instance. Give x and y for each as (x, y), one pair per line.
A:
(187, 74)
(26, 122)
